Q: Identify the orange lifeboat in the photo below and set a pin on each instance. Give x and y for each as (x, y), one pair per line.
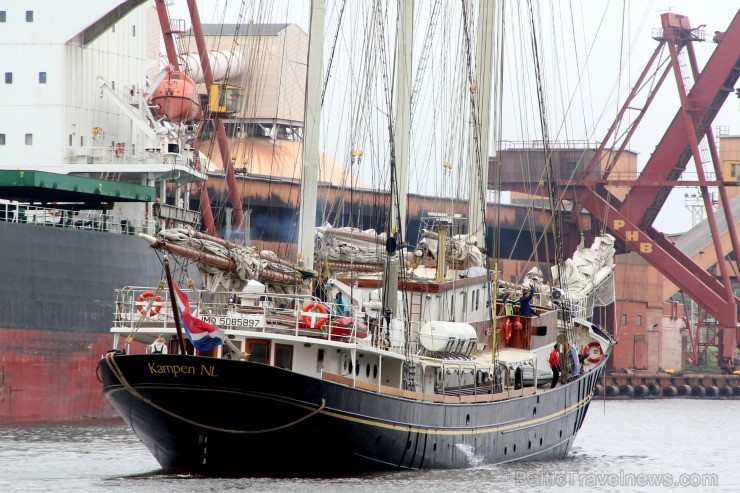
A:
(175, 97)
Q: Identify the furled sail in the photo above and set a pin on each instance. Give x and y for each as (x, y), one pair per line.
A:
(226, 265)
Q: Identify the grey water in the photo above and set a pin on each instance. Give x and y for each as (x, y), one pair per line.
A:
(639, 445)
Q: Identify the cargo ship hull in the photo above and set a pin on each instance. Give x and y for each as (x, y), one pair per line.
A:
(58, 295)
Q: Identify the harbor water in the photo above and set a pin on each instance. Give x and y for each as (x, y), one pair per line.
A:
(679, 444)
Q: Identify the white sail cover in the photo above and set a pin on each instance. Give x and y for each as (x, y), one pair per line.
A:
(587, 278)
(351, 245)
(460, 248)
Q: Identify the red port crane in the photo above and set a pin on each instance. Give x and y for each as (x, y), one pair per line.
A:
(631, 220)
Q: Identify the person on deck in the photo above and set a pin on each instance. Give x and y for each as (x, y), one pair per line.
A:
(525, 303)
(339, 303)
(576, 364)
(554, 361)
(159, 346)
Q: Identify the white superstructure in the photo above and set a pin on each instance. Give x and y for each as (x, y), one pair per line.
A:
(57, 115)
(51, 60)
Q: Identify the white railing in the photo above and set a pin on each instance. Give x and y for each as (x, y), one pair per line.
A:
(259, 313)
(125, 155)
(600, 295)
(106, 222)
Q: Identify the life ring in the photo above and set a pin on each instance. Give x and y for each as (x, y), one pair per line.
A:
(518, 324)
(314, 315)
(143, 301)
(594, 352)
(507, 330)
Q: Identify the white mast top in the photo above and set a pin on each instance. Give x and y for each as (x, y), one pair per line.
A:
(479, 152)
(311, 127)
(402, 127)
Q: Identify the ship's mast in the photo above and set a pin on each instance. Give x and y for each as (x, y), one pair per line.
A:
(481, 97)
(399, 150)
(402, 120)
(311, 126)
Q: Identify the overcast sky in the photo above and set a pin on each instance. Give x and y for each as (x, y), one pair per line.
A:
(582, 41)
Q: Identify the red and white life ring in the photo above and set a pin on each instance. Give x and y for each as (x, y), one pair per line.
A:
(507, 330)
(143, 301)
(518, 324)
(314, 315)
(594, 352)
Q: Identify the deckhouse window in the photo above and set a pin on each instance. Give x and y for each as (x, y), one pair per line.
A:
(133, 31)
(29, 139)
(2, 16)
(8, 77)
(2, 139)
(624, 319)
(42, 77)
(29, 15)
(284, 356)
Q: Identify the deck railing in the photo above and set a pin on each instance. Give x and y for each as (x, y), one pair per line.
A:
(259, 313)
(89, 220)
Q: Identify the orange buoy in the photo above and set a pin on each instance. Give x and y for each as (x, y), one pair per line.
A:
(314, 315)
(594, 352)
(143, 301)
(507, 330)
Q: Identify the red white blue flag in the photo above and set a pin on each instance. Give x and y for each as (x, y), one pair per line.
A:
(203, 335)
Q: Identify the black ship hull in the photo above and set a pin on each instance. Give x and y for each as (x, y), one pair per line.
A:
(232, 418)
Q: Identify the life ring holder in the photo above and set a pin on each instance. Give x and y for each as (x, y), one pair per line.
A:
(314, 315)
(143, 301)
(594, 352)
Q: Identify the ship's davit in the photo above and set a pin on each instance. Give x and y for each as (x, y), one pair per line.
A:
(175, 98)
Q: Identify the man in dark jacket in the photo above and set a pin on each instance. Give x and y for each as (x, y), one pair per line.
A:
(525, 303)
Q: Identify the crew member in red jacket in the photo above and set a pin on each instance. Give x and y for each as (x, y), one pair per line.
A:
(554, 361)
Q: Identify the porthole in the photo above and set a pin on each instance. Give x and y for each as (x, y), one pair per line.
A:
(505, 450)
(534, 412)
(467, 419)
(367, 370)
(540, 441)
(529, 445)
(357, 368)
(375, 371)
(434, 448)
(513, 448)
(561, 434)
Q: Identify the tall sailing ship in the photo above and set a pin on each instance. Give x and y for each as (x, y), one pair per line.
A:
(365, 353)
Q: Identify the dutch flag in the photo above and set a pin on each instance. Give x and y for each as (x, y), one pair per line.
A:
(203, 335)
